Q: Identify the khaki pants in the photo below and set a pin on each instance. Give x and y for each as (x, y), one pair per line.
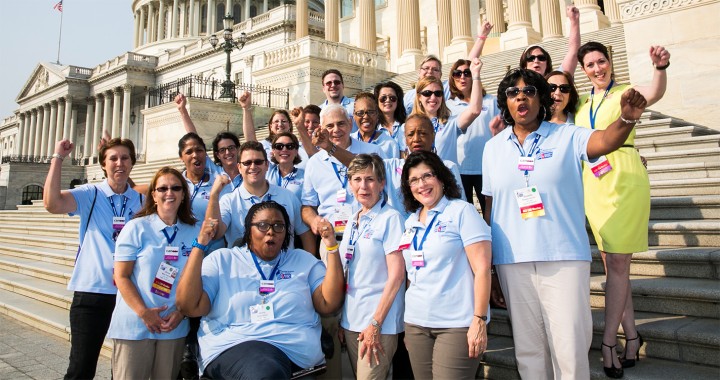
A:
(147, 358)
(549, 306)
(361, 368)
(439, 353)
(331, 324)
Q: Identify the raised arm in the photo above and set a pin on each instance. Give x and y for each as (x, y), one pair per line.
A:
(213, 206)
(55, 200)
(181, 102)
(661, 60)
(483, 32)
(190, 298)
(605, 141)
(245, 101)
(329, 296)
(570, 61)
(475, 107)
(321, 139)
(298, 119)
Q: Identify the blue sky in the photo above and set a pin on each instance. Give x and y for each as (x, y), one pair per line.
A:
(93, 31)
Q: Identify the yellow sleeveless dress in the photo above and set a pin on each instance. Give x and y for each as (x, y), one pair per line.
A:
(617, 204)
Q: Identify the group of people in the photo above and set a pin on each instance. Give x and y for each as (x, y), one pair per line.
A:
(353, 225)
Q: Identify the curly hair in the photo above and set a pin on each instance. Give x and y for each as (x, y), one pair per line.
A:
(184, 213)
(442, 173)
(267, 205)
(531, 78)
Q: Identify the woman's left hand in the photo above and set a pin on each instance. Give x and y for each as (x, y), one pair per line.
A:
(659, 56)
(171, 321)
(370, 344)
(475, 66)
(632, 105)
(477, 338)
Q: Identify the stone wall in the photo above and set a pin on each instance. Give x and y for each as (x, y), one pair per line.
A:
(15, 176)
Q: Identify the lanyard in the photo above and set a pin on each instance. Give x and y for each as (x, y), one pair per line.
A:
(257, 265)
(592, 95)
(197, 187)
(252, 198)
(395, 129)
(529, 154)
(425, 235)
(343, 183)
(354, 227)
(169, 238)
(371, 137)
(122, 209)
(289, 178)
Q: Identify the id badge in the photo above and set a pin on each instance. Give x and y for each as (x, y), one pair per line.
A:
(341, 196)
(267, 286)
(341, 218)
(261, 313)
(526, 163)
(172, 253)
(164, 280)
(406, 239)
(417, 258)
(349, 252)
(600, 167)
(529, 201)
(118, 222)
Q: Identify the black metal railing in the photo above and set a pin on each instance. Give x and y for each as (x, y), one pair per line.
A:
(210, 89)
(35, 159)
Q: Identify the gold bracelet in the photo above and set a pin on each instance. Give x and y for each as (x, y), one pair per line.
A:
(333, 248)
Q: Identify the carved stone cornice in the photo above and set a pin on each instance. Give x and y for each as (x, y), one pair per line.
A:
(639, 9)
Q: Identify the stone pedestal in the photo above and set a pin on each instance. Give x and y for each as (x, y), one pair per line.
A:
(591, 17)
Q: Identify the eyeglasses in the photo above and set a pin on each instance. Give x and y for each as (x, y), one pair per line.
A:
(164, 189)
(564, 88)
(265, 226)
(539, 57)
(385, 98)
(431, 69)
(415, 181)
(427, 93)
(461, 73)
(333, 83)
(227, 149)
(370, 113)
(257, 162)
(529, 91)
(288, 146)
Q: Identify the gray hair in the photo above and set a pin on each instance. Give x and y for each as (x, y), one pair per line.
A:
(330, 108)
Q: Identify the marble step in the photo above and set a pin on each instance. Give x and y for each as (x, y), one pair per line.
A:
(685, 207)
(688, 186)
(62, 243)
(39, 220)
(666, 144)
(38, 269)
(40, 254)
(684, 262)
(38, 289)
(671, 130)
(684, 170)
(690, 233)
(31, 229)
(658, 122)
(705, 155)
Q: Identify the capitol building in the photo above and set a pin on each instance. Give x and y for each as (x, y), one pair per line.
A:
(288, 44)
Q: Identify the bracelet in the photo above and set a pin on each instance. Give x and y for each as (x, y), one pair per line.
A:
(662, 68)
(202, 247)
(55, 155)
(480, 36)
(333, 248)
(476, 78)
(481, 317)
(332, 150)
(626, 121)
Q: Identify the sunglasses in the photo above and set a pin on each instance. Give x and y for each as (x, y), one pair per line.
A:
(363, 113)
(539, 57)
(385, 98)
(265, 226)
(564, 88)
(529, 91)
(288, 146)
(461, 73)
(333, 83)
(164, 189)
(257, 162)
(427, 93)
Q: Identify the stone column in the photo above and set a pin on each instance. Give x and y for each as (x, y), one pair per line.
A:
(60, 120)
(161, 21)
(20, 135)
(496, 16)
(520, 32)
(142, 26)
(332, 18)
(368, 35)
(408, 21)
(136, 40)
(462, 41)
(301, 19)
(116, 107)
(591, 17)
(444, 20)
(73, 123)
(67, 133)
(151, 23)
(174, 20)
(247, 8)
(32, 133)
(97, 124)
(551, 19)
(183, 20)
(212, 16)
(265, 6)
(43, 125)
(193, 19)
(127, 92)
(52, 125)
(107, 114)
(612, 11)
(89, 116)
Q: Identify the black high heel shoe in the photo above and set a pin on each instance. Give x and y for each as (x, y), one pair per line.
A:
(629, 363)
(612, 371)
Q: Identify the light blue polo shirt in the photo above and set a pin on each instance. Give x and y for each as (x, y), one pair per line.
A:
(234, 208)
(217, 170)
(322, 180)
(387, 145)
(142, 241)
(93, 269)
(441, 293)
(292, 182)
(409, 98)
(471, 143)
(377, 235)
(558, 235)
(200, 197)
(446, 136)
(349, 105)
(393, 173)
(301, 152)
(231, 281)
(398, 134)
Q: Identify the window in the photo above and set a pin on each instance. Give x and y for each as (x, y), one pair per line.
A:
(237, 14)
(203, 19)
(31, 193)
(220, 15)
(347, 8)
(380, 3)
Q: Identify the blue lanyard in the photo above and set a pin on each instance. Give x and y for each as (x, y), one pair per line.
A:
(592, 95)
(169, 238)
(427, 231)
(371, 137)
(532, 148)
(354, 227)
(122, 209)
(290, 177)
(252, 198)
(339, 177)
(197, 187)
(395, 129)
(257, 265)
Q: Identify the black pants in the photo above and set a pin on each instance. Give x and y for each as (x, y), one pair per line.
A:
(470, 182)
(90, 315)
(251, 360)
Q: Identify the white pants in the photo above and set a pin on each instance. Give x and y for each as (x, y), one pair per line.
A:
(549, 306)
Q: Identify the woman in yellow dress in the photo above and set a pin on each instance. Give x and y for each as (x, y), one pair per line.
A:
(617, 196)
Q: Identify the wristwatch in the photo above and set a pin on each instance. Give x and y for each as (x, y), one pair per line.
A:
(202, 247)
(374, 323)
(481, 317)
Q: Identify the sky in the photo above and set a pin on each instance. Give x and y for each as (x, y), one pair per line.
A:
(93, 31)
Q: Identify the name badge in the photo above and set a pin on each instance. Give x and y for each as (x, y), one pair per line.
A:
(261, 313)
(341, 218)
(341, 196)
(406, 239)
(600, 167)
(164, 280)
(267, 286)
(118, 222)
(417, 258)
(349, 252)
(172, 253)
(529, 201)
(526, 163)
